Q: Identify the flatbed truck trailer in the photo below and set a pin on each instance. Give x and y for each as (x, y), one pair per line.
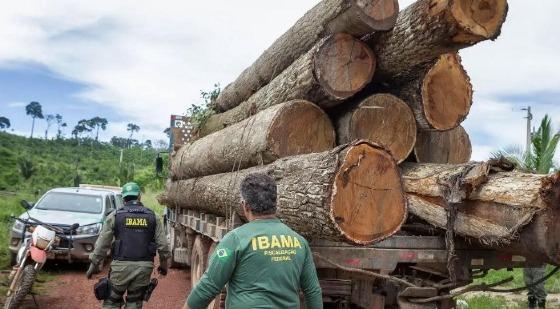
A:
(420, 260)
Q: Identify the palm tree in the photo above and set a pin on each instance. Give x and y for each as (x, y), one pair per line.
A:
(4, 122)
(131, 127)
(36, 111)
(59, 125)
(49, 119)
(82, 126)
(98, 123)
(539, 157)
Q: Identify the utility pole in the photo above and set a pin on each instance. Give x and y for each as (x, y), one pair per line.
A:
(529, 117)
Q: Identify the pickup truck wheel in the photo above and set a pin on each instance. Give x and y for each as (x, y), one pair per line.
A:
(199, 259)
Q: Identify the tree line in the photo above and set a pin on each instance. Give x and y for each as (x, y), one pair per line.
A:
(83, 129)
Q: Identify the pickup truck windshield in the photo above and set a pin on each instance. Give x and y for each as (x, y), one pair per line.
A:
(71, 202)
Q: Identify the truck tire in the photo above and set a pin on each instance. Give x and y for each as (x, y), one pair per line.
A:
(23, 287)
(199, 259)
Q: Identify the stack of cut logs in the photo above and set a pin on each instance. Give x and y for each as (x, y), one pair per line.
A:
(356, 112)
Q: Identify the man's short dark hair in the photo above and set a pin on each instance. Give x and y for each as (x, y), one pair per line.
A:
(259, 192)
(130, 198)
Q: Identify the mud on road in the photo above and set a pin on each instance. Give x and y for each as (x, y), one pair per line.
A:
(70, 289)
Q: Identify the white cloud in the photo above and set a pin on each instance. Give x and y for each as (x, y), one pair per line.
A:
(15, 104)
(150, 59)
(146, 59)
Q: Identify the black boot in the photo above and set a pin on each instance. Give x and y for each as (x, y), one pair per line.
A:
(542, 304)
(532, 302)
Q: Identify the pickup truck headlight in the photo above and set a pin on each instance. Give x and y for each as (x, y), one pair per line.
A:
(90, 229)
(18, 227)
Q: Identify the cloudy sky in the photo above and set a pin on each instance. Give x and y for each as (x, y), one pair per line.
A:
(140, 61)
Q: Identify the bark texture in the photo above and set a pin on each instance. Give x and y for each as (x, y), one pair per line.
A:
(336, 68)
(440, 94)
(492, 205)
(355, 17)
(453, 146)
(429, 28)
(383, 119)
(291, 128)
(351, 193)
(540, 239)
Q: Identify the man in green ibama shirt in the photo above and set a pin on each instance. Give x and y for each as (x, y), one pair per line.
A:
(264, 263)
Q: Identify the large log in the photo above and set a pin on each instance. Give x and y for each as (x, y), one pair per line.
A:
(540, 239)
(493, 207)
(429, 28)
(351, 193)
(355, 17)
(440, 94)
(336, 68)
(291, 128)
(383, 119)
(452, 146)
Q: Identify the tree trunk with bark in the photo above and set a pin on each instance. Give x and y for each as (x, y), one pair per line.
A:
(335, 69)
(452, 147)
(540, 239)
(492, 206)
(383, 119)
(355, 17)
(287, 129)
(440, 94)
(429, 28)
(351, 193)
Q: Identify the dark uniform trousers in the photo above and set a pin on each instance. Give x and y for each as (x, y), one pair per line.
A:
(133, 253)
(131, 278)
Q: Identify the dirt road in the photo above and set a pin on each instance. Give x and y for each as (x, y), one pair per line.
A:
(70, 289)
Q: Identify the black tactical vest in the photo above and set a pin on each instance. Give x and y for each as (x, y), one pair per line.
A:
(135, 229)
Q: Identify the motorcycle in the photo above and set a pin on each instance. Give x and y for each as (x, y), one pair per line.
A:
(38, 240)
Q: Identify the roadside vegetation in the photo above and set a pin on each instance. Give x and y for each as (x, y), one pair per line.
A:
(30, 167)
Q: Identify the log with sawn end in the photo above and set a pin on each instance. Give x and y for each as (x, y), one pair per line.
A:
(429, 28)
(335, 69)
(352, 193)
(291, 128)
(452, 146)
(383, 119)
(355, 17)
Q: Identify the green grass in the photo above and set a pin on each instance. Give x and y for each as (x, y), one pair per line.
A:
(485, 302)
(9, 206)
(149, 199)
(552, 284)
(32, 165)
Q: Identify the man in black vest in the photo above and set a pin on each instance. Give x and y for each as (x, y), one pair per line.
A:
(135, 234)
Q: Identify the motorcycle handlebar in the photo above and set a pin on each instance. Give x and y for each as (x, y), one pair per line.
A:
(56, 229)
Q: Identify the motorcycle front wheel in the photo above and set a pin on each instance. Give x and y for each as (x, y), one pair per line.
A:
(23, 287)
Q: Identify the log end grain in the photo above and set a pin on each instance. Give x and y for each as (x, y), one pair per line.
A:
(452, 146)
(379, 15)
(479, 19)
(446, 93)
(368, 202)
(300, 127)
(343, 65)
(386, 120)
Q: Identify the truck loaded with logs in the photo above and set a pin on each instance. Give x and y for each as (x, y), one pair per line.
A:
(355, 112)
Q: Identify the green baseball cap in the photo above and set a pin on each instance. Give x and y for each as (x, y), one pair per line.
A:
(131, 189)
